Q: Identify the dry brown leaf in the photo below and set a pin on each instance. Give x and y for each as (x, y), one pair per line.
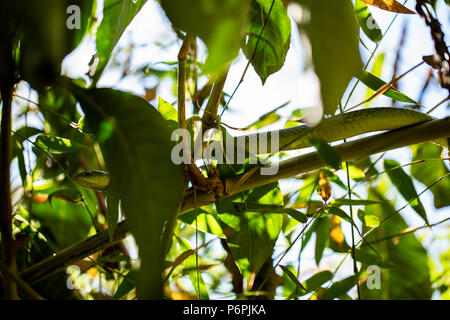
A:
(389, 5)
(324, 188)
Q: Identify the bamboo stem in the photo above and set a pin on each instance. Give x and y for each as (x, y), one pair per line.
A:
(5, 192)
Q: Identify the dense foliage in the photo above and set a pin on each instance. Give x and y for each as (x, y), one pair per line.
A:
(191, 239)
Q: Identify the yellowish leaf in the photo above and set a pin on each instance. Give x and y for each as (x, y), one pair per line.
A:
(324, 188)
(389, 5)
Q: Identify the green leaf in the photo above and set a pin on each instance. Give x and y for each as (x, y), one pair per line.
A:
(370, 258)
(355, 173)
(18, 152)
(220, 24)
(323, 229)
(264, 121)
(169, 113)
(367, 22)
(318, 279)
(371, 221)
(430, 171)
(297, 215)
(376, 70)
(339, 288)
(327, 153)
(206, 221)
(332, 31)
(274, 43)
(340, 213)
(127, 284)
(25, 133)
(55, 144)
(409, 278)
(143, 176)
(66, 222)
(353, 202)
(376, 83)
(167, 110)
(404, 184)
(117, 15)
(251, 235)
(292, 277)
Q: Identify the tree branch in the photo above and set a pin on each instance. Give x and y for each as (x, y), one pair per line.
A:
(354, 150)
(72, 254)
(210, 114)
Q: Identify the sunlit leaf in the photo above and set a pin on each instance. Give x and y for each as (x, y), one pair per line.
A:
(376, 83)
(389, 5)
(377, 71)
(206, 221)
(322, 237)
(405, 186)
(55, 144)
(251, 235)
(428, 172)
(274, 43)
(367, 22)
(117, 14)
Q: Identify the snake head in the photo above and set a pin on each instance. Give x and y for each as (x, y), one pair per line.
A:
(93, 179)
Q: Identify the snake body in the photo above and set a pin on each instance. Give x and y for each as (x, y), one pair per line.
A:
(339, 127)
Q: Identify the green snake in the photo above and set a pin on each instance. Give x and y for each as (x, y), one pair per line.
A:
(331, 129)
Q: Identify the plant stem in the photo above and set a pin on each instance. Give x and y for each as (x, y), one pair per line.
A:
(182, 56)
(210, 113)
(5, 192)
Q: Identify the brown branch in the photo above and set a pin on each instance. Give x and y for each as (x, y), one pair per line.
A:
(72, 254)
(354, 150)
(210, 114)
